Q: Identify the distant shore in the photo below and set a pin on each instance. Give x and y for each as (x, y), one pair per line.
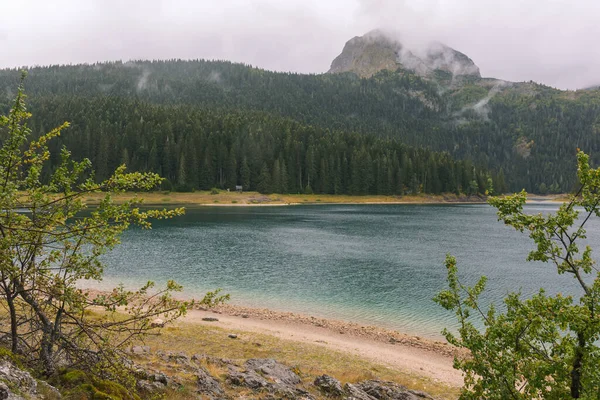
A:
(225, 198)
(252, 199)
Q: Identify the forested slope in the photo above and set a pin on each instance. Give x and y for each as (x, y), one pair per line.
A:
(527, 132)
(194, 147)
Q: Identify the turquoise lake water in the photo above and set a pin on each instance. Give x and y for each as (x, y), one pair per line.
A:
(372, 264)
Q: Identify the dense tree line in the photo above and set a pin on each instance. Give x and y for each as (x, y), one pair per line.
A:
(529, 132)
(196, 148)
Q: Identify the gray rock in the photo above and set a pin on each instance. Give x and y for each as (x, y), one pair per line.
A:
(17, 378)
(275, 380)
(139, 350)
(210, 319)
(232, 336)
(355, 393)
(273, 370)
(207, 384)
(175, 357)
(421, 394)
(150, 386)
(249, 379)
(329, 385)
(383, 390)
(222, 362)
(160, 378)
(4, 391)
(7, 394)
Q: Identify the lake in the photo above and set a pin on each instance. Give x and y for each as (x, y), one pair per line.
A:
(372, 264)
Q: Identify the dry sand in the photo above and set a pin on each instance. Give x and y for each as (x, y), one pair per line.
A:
(411, 354)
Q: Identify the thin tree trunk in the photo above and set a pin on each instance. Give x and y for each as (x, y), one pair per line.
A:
(14, 334)
(48, 339)
(576, 371)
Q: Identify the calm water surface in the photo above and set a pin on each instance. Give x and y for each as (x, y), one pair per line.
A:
(374, 264)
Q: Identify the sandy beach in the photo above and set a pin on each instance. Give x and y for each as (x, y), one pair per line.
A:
(410, 354)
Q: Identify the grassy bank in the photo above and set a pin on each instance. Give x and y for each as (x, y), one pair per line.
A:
(225, 198)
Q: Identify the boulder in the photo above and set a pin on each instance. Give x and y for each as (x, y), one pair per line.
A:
(207, 384)
(273, 370)
(140, 350)
(329, 385)
(16, 378)
(384, 390)
(149, 386)
(13, 379)
(4, 391)
(179, 357)
(249, 379)
(160, 378)
(210, 319)
(355, 393)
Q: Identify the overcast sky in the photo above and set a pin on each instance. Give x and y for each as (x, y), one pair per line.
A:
(550, 41)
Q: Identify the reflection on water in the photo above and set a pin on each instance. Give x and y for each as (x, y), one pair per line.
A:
(375, 264)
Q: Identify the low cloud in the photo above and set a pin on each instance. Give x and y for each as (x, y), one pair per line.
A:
(553, 42)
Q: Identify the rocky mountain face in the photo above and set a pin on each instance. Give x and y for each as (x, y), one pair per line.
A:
(376, 51)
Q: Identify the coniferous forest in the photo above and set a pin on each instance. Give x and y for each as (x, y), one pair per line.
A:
(204, 124)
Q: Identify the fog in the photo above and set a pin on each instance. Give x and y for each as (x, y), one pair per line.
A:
(548, 41)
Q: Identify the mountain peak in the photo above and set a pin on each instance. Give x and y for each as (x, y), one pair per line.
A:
(377, 51)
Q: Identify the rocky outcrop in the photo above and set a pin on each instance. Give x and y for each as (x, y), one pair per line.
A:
(354, 393)
(382, 390)
(273, 370)
(367, 55)
(257, 377)
(208, 385)
(377, 51)
(329, 385)
(16, 384)
(368, 390)
(266, 377)
(270, 376)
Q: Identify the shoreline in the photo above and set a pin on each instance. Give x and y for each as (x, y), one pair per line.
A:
(375, 333)
(407, 353)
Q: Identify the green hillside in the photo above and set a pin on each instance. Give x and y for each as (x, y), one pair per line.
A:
(206, 118)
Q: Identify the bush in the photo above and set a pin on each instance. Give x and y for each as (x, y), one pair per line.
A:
(545, 346)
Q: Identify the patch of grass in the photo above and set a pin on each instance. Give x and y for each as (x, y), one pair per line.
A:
(234, 201)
